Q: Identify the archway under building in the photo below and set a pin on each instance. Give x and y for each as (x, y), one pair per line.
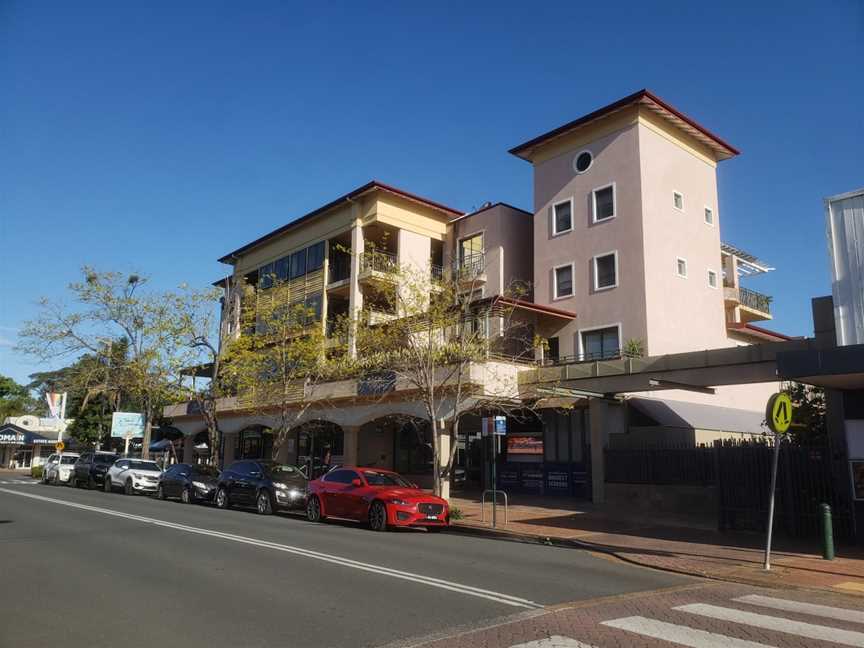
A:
(398, 442)
(315, 446)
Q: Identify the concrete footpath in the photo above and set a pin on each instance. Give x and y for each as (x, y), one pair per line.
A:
(681, 545)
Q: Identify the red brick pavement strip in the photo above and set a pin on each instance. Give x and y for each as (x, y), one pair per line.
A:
(583, 621)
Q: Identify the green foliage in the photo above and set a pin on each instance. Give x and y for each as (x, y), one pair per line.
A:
(92, 422)
(808, 413)
(15, 399)
(36, 472)
(456, 513)
(634, 348)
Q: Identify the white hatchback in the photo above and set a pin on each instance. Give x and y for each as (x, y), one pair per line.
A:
(133, 476)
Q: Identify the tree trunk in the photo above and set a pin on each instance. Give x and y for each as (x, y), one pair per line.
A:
(148, 428)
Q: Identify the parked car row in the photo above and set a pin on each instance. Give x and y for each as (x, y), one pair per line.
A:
(381, 498)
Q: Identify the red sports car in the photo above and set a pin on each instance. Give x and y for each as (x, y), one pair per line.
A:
(380, 497)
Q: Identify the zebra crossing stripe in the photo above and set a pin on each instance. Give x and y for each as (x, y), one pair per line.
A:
(681, 635)
(798, 628)
(555, 641)
(840, 614)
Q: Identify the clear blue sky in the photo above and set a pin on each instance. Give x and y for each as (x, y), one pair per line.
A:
(158, 136)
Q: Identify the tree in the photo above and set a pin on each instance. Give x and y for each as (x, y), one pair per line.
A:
(808, 413)
(92, 422)
(202, 335)
(112, 306)
(279, 357)
(457, 353)
(15, 399)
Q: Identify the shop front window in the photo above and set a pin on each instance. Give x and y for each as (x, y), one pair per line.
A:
(414, 449)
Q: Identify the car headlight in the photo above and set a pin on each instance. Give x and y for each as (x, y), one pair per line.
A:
(200, 485)
(294, 493)
(400, 502)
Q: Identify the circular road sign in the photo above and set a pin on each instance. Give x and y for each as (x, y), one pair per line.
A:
(59, 446)
(778, 413)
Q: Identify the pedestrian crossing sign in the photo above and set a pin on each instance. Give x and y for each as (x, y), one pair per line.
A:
(778, 414)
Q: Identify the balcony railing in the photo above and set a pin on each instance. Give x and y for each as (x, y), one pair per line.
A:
(471, 266)
(755, 300)
(437, 273)
(376, 261)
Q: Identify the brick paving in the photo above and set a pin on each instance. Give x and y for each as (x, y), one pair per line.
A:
(596, 622)
(673, 543)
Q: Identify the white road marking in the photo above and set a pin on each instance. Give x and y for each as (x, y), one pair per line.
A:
(555, 641)
(840, 614)
(429, 581)
(679, 634)
(798, 628)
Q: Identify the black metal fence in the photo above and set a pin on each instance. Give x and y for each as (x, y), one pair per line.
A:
(668, 465)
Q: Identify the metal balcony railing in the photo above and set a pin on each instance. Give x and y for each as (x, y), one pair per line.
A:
(755, 300)
(437, 273)
(470, 266)
(376, 261)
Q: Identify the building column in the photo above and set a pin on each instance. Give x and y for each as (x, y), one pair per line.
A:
(188, 449)
(228, 441)
(350, 444)
(598, 411)
(355, 296)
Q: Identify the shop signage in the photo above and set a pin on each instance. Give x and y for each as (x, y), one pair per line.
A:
(11, 438)
(494, 425)
(558, 480)
(127, 425)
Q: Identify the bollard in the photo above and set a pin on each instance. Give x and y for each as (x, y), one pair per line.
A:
(827, 533)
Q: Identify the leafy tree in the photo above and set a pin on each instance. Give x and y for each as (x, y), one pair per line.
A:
(808, 413)
(15, 399)
(92, 422)
(107, 307)
(279, 358)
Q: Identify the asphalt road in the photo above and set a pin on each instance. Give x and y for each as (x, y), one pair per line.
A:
(85, 568)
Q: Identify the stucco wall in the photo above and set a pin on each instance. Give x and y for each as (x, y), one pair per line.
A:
(616, 159)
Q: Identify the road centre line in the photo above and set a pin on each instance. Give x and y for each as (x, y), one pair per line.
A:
(429, 581)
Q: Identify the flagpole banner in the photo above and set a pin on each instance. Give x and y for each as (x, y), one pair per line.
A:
(55, 404)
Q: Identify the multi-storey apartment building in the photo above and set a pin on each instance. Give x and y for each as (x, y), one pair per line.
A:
(621, 254)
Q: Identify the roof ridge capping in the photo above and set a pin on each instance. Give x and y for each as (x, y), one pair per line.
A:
(369, 186)
(722, 149)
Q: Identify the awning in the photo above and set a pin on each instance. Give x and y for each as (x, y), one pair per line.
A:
(695, 416)
(11, 434)
(160, 446)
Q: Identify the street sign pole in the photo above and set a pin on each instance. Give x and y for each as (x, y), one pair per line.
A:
(126, 446)
(774, 461)
(494, 481)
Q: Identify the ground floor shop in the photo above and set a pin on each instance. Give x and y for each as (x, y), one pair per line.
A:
(23, 449)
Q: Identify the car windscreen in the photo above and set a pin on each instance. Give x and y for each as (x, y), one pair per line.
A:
(205, 471)
(104, 459)
(281, 470)
(68, 460)
(385, 479)
(143, 465)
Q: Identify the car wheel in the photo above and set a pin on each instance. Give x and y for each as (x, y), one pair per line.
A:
(56, 479)
(222, 499)
(378, 516)
(313, 509)
(127, 487)
(106, 484)
(264, 503)
(160, 494)
(186, 496)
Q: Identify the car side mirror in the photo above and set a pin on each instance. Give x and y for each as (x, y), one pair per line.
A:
(356, 483)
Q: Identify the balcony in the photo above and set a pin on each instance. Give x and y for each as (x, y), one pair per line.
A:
(377, 267)
(752, 305)
(470, 271)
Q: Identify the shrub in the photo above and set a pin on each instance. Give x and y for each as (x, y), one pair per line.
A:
(36, 472)
(456, 513)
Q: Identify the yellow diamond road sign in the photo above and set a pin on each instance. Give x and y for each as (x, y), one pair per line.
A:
(59, 446)
(779, 413)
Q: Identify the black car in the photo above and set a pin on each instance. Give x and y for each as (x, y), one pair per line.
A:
(90, 468)
(266, 485)
(190, 482)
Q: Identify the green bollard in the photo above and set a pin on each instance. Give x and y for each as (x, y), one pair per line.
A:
(827, 533)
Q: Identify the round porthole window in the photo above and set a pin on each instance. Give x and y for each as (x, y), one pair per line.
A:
(582, 162)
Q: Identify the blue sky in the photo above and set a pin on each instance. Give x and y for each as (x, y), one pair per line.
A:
(156, 137)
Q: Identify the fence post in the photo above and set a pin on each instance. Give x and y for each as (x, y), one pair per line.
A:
(827, 533)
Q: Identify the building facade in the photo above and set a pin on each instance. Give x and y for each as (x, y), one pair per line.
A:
(621, 254)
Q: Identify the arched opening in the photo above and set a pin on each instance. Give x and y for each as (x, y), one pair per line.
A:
(201, 447)
(398, 442)
(254, 442)
(319, 445)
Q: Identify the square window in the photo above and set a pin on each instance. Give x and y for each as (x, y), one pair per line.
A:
(712, 278)
(678, 200)
(709, 216)
(606, 271)
(564, 281)
(604, 203)
(562, 220)
(682, 267)
(601, 344)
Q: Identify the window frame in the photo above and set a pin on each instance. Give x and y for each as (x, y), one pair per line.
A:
(462, 239)
(675, 193)
(555, 295)
(708, 210)
(716, 285)
(591, 329)
(678, 261)
(577, 156)
(594, 191)
(555, 230)
(595, 279)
